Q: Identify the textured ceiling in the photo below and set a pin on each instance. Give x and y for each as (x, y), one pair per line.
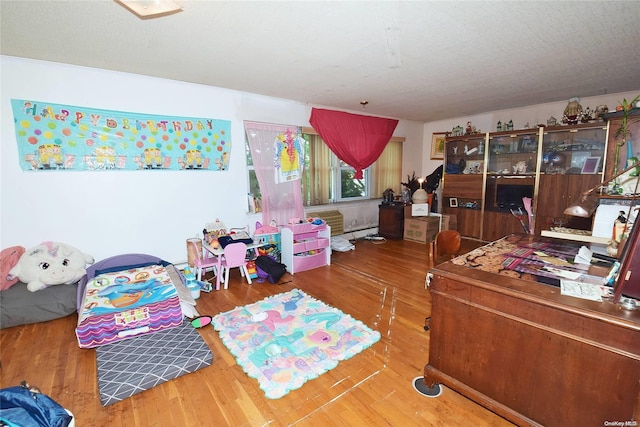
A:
(416, 60)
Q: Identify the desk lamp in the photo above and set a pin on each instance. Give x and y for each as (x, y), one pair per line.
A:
(586, 204)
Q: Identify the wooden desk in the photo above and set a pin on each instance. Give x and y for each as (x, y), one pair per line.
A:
(528, 353)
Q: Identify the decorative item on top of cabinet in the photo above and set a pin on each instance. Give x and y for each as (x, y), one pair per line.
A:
(572, 112)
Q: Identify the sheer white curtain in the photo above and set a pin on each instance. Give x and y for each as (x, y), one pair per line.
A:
(280, 201)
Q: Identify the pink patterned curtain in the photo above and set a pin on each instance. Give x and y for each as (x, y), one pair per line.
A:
(281, 201)
(356, 140)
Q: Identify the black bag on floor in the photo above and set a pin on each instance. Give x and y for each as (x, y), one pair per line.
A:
(270, 268)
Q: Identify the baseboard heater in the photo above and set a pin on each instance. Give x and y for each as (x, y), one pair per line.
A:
(334, 219)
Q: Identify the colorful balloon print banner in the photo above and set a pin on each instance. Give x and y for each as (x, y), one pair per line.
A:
(63, 137)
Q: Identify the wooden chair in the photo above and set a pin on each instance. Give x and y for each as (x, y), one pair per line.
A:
(445, 246)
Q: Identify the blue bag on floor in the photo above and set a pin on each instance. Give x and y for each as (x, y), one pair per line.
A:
(26, 406)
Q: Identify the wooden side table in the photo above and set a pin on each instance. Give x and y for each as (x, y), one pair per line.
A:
(391, 221)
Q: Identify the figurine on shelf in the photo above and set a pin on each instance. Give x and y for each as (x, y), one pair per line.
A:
(520, 168)
(572, 112)
(499, 126)
(552, 121)
(601, 110)
(457, 131)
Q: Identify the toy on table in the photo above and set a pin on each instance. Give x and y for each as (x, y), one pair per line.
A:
(213, 231)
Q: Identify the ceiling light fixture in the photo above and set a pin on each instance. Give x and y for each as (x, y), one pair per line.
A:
(147, 9)
(364, 103)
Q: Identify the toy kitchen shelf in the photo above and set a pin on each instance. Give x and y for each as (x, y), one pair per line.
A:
(305, 246)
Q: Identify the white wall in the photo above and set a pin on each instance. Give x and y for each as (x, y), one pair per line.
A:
(113, 212)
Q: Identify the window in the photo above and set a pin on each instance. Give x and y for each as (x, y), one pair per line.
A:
(326, 179)
(351, 188)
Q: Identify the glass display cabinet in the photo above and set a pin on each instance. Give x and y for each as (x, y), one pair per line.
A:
(512, 160)
(513, 153)
(465, 154)
(574, 151)
(464, 171)
(572, 162)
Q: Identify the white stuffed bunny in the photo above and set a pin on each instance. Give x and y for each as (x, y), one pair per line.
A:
(51, 263)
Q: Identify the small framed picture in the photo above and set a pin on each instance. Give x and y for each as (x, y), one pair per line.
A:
(437, 145)
(453, 202)
(591, 165)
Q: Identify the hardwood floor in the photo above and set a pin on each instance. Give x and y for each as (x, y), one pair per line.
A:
(380, 284)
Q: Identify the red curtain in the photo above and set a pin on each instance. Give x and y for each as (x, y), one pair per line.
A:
(356, 140)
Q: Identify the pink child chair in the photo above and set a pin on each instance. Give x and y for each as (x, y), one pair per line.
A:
(204, 261)
(234, 256)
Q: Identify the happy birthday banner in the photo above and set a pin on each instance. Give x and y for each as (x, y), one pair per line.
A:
(62, 137)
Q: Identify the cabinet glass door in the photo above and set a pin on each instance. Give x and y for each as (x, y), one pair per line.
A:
(465, 154)
(513, 153)
(573, 151)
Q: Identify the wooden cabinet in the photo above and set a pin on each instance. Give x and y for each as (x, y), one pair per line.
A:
(391, 221)
(469, 221)
(487, 175)
(464, 187)
(556, 192)
(462, 197)
(499, 224)
(572, 162)
(530, 354)
(305, 246)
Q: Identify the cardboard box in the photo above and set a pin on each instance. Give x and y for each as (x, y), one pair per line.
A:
(421, 229)
(449, 222)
